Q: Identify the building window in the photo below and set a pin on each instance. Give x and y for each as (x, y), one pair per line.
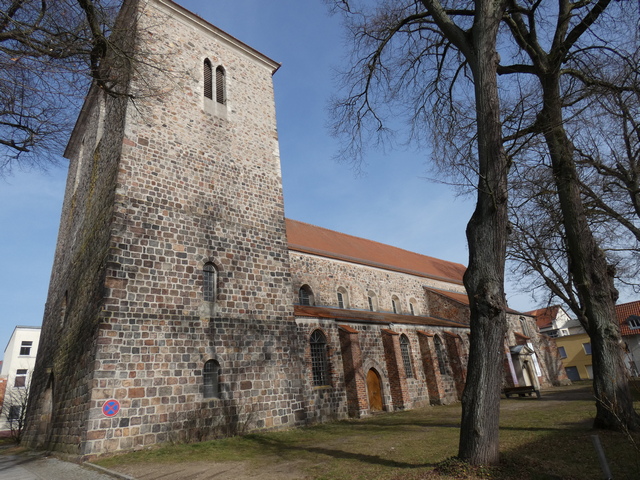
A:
(587, 348)
(211, 379)
(413, 312)
(14, 412)
(209, 281)
(405, 350)
(525, 327)
(372, 301)
(21, 378)
(208, 79)
(634, 321)
(562, 352)
(25, 348)
(395, 304)
(319, 364)
(412, 306)
(305, 295)
(221, 94)
(442, 359)
(343, 298)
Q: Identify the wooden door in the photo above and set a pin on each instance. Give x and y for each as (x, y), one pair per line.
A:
(374, 389)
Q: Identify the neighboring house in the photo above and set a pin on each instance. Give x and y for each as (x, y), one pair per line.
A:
(17, 367)
(575, 351)
(556, 322)
(628, 315)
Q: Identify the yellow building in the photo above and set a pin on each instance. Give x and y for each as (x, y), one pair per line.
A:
(575, 351)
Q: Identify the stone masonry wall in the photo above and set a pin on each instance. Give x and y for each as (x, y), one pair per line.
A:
(325, 276)
(196, 188)
(171, 187)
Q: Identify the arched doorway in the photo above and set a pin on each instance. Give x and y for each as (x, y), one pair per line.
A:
(374, 389)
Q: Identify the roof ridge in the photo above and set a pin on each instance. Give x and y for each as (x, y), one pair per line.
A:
(372, 241)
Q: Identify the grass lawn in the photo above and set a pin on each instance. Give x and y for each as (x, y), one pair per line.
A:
(548, 438)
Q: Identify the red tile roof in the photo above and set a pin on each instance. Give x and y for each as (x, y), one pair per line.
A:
(463, 298)
(365, 316)
(624, 311)
(306, 238)
(545, 316)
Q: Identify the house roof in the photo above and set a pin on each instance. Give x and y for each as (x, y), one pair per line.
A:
(365, 316)
(623, 312)
(545, 316)
(306, 238)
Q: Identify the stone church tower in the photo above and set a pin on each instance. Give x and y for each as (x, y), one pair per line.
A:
(170, 295)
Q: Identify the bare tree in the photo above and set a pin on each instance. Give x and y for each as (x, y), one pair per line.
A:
(50, 52)
(428, 56)
(557, 57)
(14, 409)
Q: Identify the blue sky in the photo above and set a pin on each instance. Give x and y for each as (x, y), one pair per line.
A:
(391, 202)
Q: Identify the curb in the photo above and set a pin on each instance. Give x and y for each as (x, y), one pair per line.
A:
(106, 471)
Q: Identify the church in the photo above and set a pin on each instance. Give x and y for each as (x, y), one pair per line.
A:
(184, 306)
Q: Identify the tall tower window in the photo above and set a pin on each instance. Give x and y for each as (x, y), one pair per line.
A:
(208, 79)
(210, 280)
(221, 93)
(211, 379)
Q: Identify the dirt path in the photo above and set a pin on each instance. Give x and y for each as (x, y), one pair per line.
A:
(211, 471)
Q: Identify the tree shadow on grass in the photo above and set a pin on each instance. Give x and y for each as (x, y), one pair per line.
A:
(283, 449)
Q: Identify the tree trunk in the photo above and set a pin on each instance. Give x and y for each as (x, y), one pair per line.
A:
(593, 277)
(486, 235)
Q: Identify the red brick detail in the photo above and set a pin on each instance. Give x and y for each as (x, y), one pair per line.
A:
(395, 369)
(454, 350)
(354, 379)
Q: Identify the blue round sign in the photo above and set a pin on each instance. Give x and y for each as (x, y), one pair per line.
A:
(111, 408)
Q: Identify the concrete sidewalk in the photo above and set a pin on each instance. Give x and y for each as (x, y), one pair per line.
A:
(39, 467)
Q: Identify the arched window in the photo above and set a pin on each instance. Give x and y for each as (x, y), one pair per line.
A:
(343, 299)
(372, 301)
(221, 90)
(305, 295)
(211, 379)
(319, 364)
(210, 282)
(395, 304)
(442, 359)
(405, 350)
(412, 306)
(208, 79)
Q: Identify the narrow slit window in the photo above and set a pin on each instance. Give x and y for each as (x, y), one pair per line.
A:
(210, 280)
(211, 379)
(208, 79)
(221, 94)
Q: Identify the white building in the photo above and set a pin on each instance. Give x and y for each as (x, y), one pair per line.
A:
(556, 322)
(17, 366)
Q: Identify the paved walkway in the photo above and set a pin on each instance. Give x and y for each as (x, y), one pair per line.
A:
(36, 467)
